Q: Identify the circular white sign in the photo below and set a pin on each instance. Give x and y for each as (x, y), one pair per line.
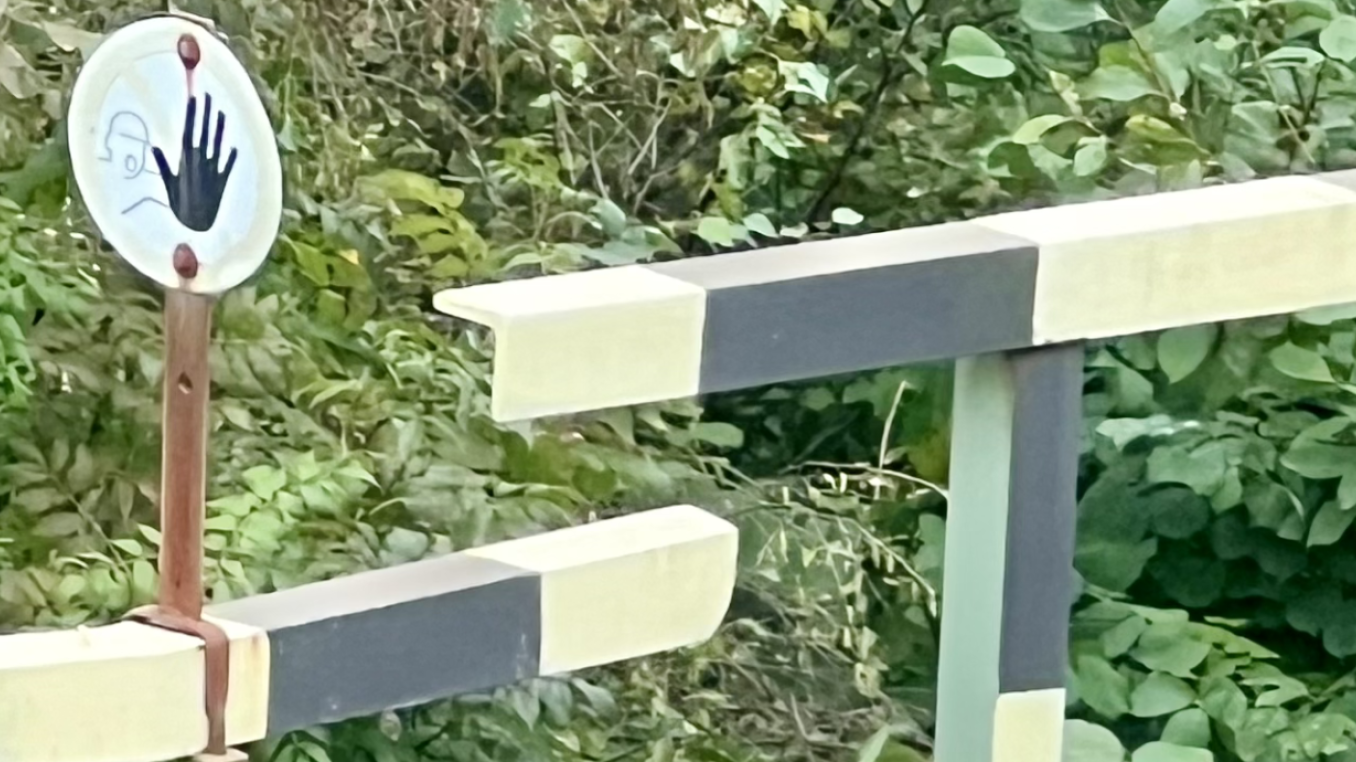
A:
(175, 156)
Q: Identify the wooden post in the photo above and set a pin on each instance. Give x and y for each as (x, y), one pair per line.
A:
(1009, 556)
(183, 478)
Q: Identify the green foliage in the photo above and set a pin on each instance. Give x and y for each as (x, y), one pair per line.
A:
(350, 425)
(1238, 516)
(440, 143)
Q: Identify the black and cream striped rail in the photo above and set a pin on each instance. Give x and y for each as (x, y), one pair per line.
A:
(354, 646)
(645, 333)
(1011, 297)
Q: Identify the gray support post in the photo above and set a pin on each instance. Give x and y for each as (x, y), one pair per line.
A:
(1009, 556)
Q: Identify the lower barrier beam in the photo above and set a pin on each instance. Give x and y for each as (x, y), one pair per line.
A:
(1008, 576)
(353, 646)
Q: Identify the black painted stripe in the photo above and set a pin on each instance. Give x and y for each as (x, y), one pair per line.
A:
(1038, 579)
(396, 637)
(824, 308)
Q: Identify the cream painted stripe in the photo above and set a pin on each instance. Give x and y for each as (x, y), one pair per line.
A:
(1130, 265)
(1029, 726)
(126, 692)
(629, 586)
(587, 341)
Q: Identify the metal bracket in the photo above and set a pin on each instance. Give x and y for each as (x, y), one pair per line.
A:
(217, 656)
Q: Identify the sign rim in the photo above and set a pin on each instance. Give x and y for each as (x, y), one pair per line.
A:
(109, 60)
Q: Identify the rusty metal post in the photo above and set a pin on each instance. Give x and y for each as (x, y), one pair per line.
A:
(183, 496)
(183, 478)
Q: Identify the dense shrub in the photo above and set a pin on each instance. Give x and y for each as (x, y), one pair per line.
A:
(438, 143)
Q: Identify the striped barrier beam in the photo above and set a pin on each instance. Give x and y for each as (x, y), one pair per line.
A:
(1013, 296)
(390, 638)
(646, 333)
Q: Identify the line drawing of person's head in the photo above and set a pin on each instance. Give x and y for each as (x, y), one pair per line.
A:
(127, 145)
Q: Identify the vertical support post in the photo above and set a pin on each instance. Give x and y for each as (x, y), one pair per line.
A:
(183, 498)
(183, 477)
(1009, 556)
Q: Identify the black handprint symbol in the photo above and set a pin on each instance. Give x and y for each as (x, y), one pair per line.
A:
(195, 191)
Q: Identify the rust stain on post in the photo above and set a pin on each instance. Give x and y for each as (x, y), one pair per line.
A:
(183, 479)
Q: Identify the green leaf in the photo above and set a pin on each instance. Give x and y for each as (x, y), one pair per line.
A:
(1160, 694)
(1112, 564)
(972, 50)
(772, 8)
(1177, 14)
(1189, 727)
(70, 586)
(1158, 751)
(1169, 648)
(1119, 639)
(1330, 524)
(1327, 315)
(1102, 688)
(38, 501)
(81, 476)
(719, 434)
(870, 751)
(716, 230)
(610, 216)
(1117, 83)
(1300, 363)
(410, 225)
(1346, 490)
(128, 546)
(603, 703)
(558, 700)
(221, 524)
(449, 267)
(1224, 701)
(406, 544)
(238, 505)
(1178, 513)
(806, 77)
(1123, 431)
(68, 37)
(1031, 132)
(1326, 733)
(1091, 157)
(1311, 611)
(143, 581)
(57, 525)
(1182, 350)
(1318, 460)
(760, 224)
(1282, 688)
(1086, 742)
(1194, 581)
(151, 534)
(1293, 57)
(264, 481)
(1111, 550)
(507, 17)
(1202, 468)
(1339, 632)
(846, 217)
(1338, 38)
(402, 185)
(1133, 393)
(1061, 15)
(571, 47)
